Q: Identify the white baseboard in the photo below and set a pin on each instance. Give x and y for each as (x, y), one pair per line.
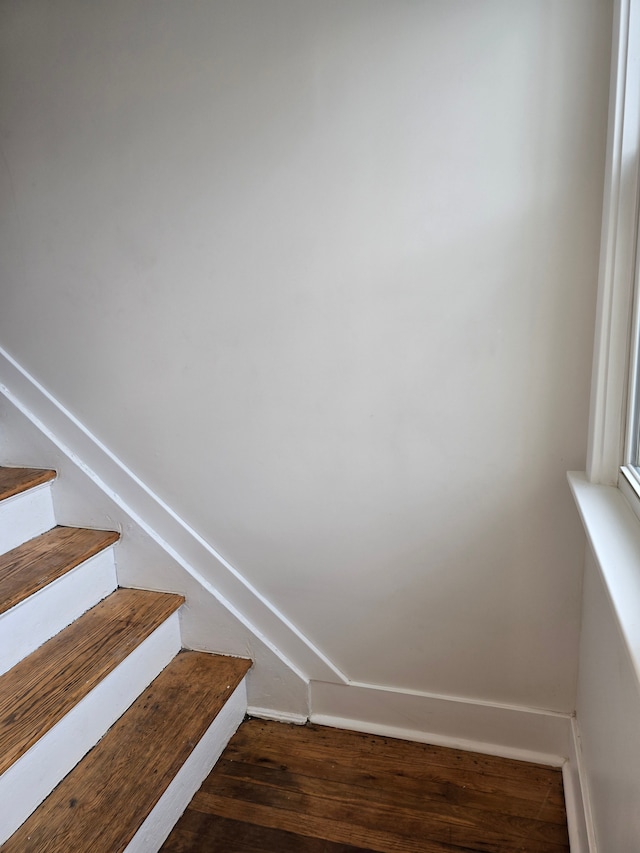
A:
(147, 510)
(278, 716)
(525, 734)
(576, 794)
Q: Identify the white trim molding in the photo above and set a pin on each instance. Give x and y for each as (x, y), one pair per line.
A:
(618, 251)
(525, 734)
(278, 716)
(582, 837)
(150, 513)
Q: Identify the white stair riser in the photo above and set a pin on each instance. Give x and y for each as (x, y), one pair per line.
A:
(43, 615)
(24, 516)
(163, 817)
(29, 781)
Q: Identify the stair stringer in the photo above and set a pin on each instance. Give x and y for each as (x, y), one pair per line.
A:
(284, 660)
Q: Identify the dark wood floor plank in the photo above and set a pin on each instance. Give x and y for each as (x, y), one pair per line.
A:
(43, 687)
(466, 790)
(369, 817)
(203, 833)
(384, 801)
(337, 831)
(398, 751)
(31, 566)
(371, 793)
(16, 480)
(100, 805)
(408, 771)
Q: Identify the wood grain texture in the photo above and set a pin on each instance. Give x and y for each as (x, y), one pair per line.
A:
(43, 687)
(236, 776)
(101, 804)
(199, 832)
(16, 480)
(365, 792)
(440, 783)
(31, 566)
(393, 752)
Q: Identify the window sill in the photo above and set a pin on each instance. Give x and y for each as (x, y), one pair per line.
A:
(613, 531)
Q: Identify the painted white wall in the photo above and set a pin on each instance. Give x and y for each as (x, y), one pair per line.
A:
(608, 709)
(323, 275)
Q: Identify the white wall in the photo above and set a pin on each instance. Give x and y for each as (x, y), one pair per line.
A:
(323, 275)
(608, 710)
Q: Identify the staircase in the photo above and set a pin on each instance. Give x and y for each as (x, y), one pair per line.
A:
(107, 727)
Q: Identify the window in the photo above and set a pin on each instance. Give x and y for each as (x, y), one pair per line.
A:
(614, 430)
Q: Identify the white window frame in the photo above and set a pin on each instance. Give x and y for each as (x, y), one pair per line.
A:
(614, 381)
(629, 479)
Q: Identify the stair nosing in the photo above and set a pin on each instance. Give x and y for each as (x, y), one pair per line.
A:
(40, 476)
(13, 564)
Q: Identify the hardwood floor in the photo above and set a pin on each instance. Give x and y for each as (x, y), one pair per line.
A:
(310, 789)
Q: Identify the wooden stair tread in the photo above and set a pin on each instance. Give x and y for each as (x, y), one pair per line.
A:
(31, 566)
(103, 802)
(16, 480)
(43, 687)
